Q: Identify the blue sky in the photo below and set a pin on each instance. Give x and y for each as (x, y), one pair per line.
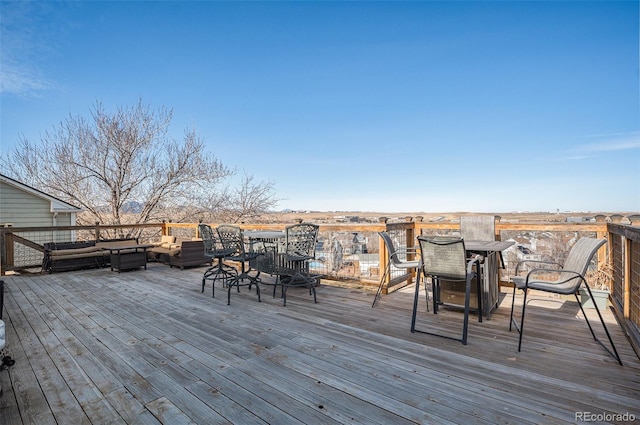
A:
(374, 106)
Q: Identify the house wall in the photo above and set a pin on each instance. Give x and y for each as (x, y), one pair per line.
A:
(23, 209)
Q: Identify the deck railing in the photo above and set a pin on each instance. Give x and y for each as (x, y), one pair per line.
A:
(354, 252)
(624, 258)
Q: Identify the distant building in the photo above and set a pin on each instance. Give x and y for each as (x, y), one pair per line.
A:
(580, 219)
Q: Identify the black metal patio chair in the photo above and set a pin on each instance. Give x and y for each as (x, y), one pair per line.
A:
(564, 279)
(214, 249)
(291, 261)
(399, 258)
(233, 242)
(445, 259)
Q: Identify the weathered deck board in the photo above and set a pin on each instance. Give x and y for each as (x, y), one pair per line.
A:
(147, 347)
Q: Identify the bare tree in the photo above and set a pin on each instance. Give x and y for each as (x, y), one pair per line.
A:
(122, 168)
(248, 201)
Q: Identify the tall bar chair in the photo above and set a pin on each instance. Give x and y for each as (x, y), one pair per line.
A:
(214, 249)
(232, 240)
(292, 260)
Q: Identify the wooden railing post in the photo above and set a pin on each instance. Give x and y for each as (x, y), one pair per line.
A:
(8, 254)
(603, 252)
(626, 282)
(10, 248)
(626, 296)
(634, 219)
(384, 262)
(164, 229)
(411, 242)
(497, 219)
(3, 251)
(383, 255)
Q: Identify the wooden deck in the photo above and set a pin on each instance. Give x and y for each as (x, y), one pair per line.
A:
(147, 347)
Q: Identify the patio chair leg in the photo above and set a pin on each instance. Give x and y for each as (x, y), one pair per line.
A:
(218, 272)
(237, 284)
(426, 291)
(613, 353)
(275, 285)
(415, 304)
(436, 294)
(513, 300)
(513, 321)
(479, 290)
(521, 328)
(465, 326)
(302, 280)
(382, 280)
(434, 283)
(313, 288)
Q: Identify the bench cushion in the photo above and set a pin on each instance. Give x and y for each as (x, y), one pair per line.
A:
(75, 251)
(166, 241)
(159, 250)
(95, 254)
(116, 244)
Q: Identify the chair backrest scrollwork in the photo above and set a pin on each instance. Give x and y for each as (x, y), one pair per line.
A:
(231, 238)
(207, 236)
(301, 239)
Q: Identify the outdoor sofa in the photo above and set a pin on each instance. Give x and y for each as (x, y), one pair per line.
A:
(179, 252)
(66, 256)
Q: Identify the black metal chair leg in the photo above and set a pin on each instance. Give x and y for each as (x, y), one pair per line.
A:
(382, 280)
(217, 272)
(465, 326)
(613, 353)
(415, 305)
(304, 281)
(513, 300)
(426, 291)
(479, 290)
(521, 329)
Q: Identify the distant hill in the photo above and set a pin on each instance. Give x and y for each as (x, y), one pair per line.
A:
(132, 207)
(370, 216)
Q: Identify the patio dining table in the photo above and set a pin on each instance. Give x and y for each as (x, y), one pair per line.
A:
(265, 241)
(268, 241)
(264, 235)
